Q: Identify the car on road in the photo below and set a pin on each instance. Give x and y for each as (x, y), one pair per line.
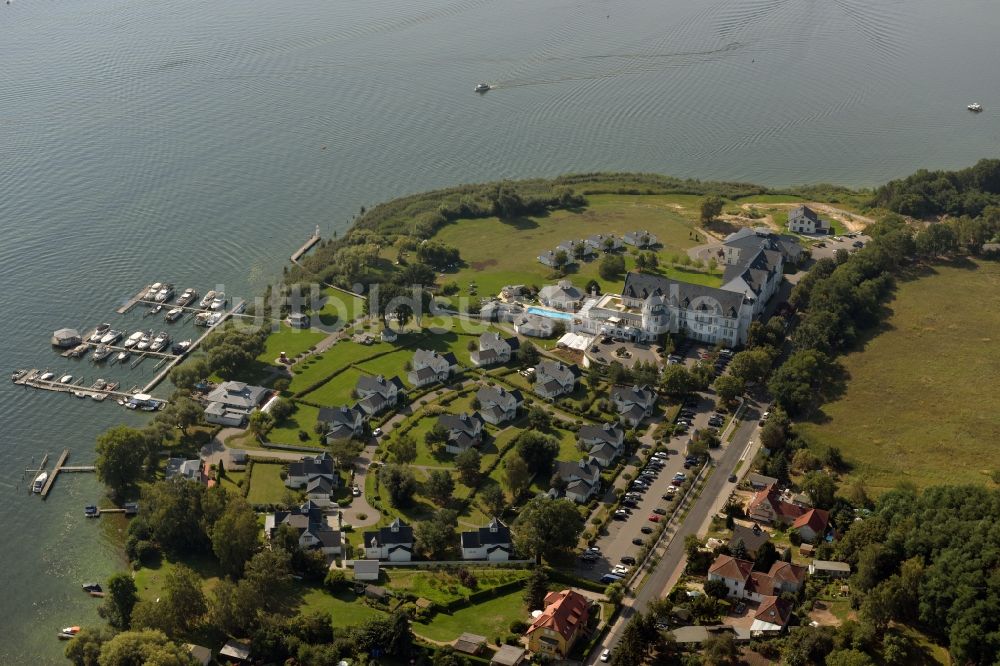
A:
(660, 511)
(377, 432)
(355, 491)
(606, 655)
(654, 518)
(637, 541)
(660, 454)
(645, 529)
(620, 515)
(732, 478)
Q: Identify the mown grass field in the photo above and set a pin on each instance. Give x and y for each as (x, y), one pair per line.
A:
(489, 618)
(266, 486)
(921, 404)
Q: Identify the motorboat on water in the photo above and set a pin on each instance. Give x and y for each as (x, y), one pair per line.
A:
(144, 341)
(99, 385)
(159, 342)
(122, 356)
(156, 309)
(91, 511)
(92, 587)
(218, 302)
(133, 340)
(182, 347)
(174, 315)
(39, 482)
(99, 332)
(153, 290)
(101, 353)
(483, 87)
(143, 402)
(202, 319)
(17, 374)
(68, 633)
(187, 298)
(165, 293)
(47, 376)
(66, 379)
(111, 337)
(975, 107)
(207, 300)
(214, 319)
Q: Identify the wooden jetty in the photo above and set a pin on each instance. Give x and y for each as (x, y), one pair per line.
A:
(55, 472)
(132, 302)
(308, 245)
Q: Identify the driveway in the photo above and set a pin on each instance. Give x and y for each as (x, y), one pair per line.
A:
(359, 505)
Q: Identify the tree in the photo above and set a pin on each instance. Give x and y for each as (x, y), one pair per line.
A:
(138, 648)
(119, 600)
(711, 208)
(821, 488)
(468, 463)
(435, 537)
(615, 592)
(235, 536)
(538, 419)
(85, 648)
(174, 513)
(772, 435)
(399, 482)
(403, 449)
(260, 423)
(677, 380)
(121, 454)
(798, 383)
(281, 409)
(265, 578)
(849, 658)
(632, 646)
(728, 388)
(344, 450)
(766, 555)
(437, 435)
(439, 486)
(181, 412)
(537, 450)
(651, 260)
(560, 259)
(535, 589)
(446, 656)
(720, 650)
(751, 365)
(528, 354)
(612, 266)
(516, 475)
(547, 527)
(716, 588)
(492, 500)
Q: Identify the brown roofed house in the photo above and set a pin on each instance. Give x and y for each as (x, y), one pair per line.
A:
(563, 621)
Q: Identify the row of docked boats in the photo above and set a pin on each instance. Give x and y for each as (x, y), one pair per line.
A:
(160, 293)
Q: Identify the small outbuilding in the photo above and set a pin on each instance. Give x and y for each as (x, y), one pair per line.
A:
(508, 655)
(200, 653)
(235, 650)
(299, 320)
(366, 570)
(66, 337)
(470, 643)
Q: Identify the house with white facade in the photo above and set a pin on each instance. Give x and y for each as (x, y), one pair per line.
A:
(393, 543)
(494, 349)
(376, 394)
(231, 403)
(429, 367)
(310, 521)
(604, 243)
(498, 405)
(342, 422)
(555, 378)
(179, 468)
(633, 403)
(492, 542)
(640, 239)
(561, 296)
(742, 582)
(591, 436)
(741, 246)
(804, 220)
(311, 468)
(464, 431)
(534, 326)
(583, 479)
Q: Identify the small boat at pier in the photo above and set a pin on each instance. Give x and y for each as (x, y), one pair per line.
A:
(164, 294)
(202, 319)
(207, 300)
(91, 511)
(219, 301)
(132, 340)
(101, 353)
(17, 374)
(144, 341)
(153, 290)
(66, 379)
(122, 356)
(159, 342)
(39, 483)
(182, 347)
(111, 337)
(99, 332)
(187, 298)
(174, 315)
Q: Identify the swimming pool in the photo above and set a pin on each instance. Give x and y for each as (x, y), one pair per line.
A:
(551, 314)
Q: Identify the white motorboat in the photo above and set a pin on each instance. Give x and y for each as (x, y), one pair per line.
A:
(209, 297)
(66, 379)
(47, 376)
(201, 319)
(174, 315)
(483, 87)
(214, 319)
(133, 340)
(187, 297)
(975, 107)
(39, 482)
(111, 337)
(123, 356)
(101, 352)
(99, 332)
(153, 290)
(218, 302)
(159, 342)
(182, 347)
(144, 342)
(68, 633)
(164, 294)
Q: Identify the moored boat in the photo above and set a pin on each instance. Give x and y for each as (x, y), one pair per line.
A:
(153, 290)
(165, 293)
(132, 340)
(39, 482)
(68, 633)
(111, 337)
(207, 300)
(99, 332)
(182, 347)
(144, 341)
(187, 298)
(975, 107)
(159, 342)
(122, 356)
(91, 511)
(202, 319)
(219, 301)
(66, 379)
(101, 352)
(46, 376)
(17, 374)
(174, 315)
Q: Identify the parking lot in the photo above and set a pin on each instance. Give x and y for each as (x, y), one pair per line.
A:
(827, 247)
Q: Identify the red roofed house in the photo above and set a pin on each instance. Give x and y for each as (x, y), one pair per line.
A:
(767, 507)
(771, 617)
(743, 582)
(811, 525)
(563, 621)
(733, 572)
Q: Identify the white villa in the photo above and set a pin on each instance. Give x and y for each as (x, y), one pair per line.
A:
(804, 220)
(561, 296)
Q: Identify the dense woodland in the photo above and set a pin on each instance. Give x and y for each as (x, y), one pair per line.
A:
(926, 193)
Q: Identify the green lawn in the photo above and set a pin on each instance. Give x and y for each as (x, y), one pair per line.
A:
(337, 391)
(344, 608)
(920, 405)
(339, 308)
(149, 580)
(389, 365)
(443, 586)
(303, 418)
(292, 341)
(266, 486)
(342, 354)
(489, 618)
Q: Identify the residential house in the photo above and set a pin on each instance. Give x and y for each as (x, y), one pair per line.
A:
(560, 625)
(767, 507)
(310, 468)
(342, 422)
(320, 490)
(310, 522)
(829, 569)
(508, 655)
(733, 572)
(812, 525)
(640, 239)
(498, 405)
(492, 542)
(393, 543)
(741, 246)
(199, 653)
(604, 442)
(752, 539)
(758, 278)
(548, 258)
(429, 367)
(742, 582)
(494, 350)
(582, 478)
(500, 311)
(366, 570)
(464, 431)
(604, 455)
(561, 296)
(576, 249)
(376, 394)
(759, 481)
(804, 220)
(692, 635)
(534, 326)
(603, 243)
(298, 320)
(179, 468)
(633, 403)
(554, 379)
(231, 403)
(771, 617)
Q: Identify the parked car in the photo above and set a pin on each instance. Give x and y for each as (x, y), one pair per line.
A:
(732, 478)
(377, 432)
(355, 491)
(654, 518)
(606, 655)
(645, 529)
(610, 578)
(660, 511)
(637, 541)
(628, 559)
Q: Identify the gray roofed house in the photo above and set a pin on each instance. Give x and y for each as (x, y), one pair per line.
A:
(602, 433)
(548, 258)
(470, 643)
(562, 296)
(378, 393)
(604, 242)
(752, 538)
(310, 523)
(760, 481)
(698, 634)
(804, 220)
(604, 455)
(492, 542)
(583, 479)
(640, 239)
(199, 653)
(464, 431)
(366, 570)
(500, 311)
(570, 248)
(238, 395)
(685, 295)
(633, 403)
(302, 472)
(829, 568)
(494, 349)
(183, 469)
(534, 325)
(441, 367)
(498, 405)
(66, 337)
(394, 543)
(508, 655)
(234, 649)
(342, 422)
(555, 378)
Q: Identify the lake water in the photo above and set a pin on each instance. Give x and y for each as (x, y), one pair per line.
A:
(200, 143)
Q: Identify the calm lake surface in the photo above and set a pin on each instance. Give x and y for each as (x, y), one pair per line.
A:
(200, 143)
